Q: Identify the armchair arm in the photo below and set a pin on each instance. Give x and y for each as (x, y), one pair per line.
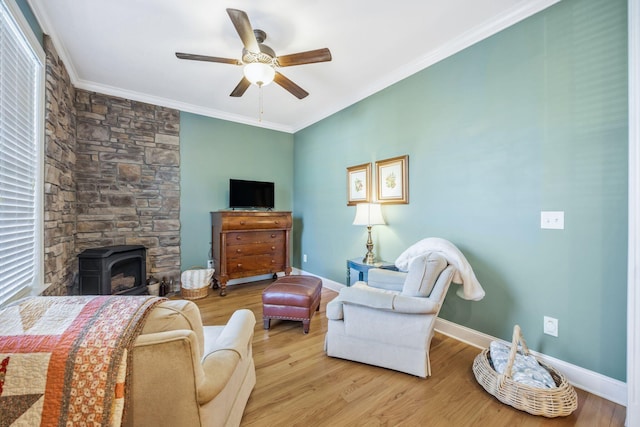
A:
(381, 300)
(221, 357)
(415, 305)
(386, 279)
(236, 335)
(218, 368)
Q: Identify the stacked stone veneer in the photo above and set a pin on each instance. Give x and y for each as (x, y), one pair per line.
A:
(60, 187)
(112, 177)
(128, 178)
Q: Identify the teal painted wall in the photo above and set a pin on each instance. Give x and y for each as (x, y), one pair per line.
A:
(31, 19)
(211, 152)
(531, 119)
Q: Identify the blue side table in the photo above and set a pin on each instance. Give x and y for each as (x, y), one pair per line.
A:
(363, 268)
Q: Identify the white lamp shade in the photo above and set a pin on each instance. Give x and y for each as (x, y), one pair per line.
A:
(368, 214)
(259, 74)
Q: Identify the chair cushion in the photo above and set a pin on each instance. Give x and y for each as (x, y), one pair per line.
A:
(423, 273)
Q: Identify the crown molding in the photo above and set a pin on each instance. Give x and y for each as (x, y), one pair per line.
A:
(178, 105)
(49, 30)
(505, 20)
(79, 83)
(23, 24)
(521, 11)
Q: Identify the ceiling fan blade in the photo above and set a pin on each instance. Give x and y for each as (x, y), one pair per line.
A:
(240, 20)
(241, 88)
(309, 57)
(207, 58)
(293, 88)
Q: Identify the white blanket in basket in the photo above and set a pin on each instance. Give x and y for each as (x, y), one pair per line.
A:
(526, 369)
(196, 279)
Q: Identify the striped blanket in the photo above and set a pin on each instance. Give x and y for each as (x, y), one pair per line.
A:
(63, 360)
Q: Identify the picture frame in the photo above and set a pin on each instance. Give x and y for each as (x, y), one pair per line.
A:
(392, 177)
(359, 184)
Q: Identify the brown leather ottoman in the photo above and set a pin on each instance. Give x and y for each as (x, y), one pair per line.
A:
(292, 298)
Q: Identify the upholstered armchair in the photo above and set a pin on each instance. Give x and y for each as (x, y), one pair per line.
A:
(187, 374)
(389, 321)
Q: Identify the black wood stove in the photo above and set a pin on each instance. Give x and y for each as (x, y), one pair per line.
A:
(113, 270)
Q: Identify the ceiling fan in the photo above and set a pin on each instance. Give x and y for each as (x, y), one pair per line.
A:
(259, 60)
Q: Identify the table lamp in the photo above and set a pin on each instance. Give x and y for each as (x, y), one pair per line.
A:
(368, 214)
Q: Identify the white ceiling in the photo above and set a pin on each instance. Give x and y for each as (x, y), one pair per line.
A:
(126, 48)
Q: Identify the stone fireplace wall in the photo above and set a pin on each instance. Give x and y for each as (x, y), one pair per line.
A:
(60, 261)
(128, 178)
(112, 177)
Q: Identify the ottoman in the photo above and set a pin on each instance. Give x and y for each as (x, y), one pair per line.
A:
(291, 298)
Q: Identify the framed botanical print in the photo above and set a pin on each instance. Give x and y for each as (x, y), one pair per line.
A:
(393, 180)
(358, 184)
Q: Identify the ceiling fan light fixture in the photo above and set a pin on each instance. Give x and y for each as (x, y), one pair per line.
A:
(259, 74)
(259, 60)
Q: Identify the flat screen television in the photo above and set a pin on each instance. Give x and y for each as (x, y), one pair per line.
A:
(250, 194)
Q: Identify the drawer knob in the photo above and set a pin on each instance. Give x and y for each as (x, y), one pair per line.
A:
(276, 222)
(273, 261)
(238, 238)
(238, 251)
(273, 236)
(241, 222)
(273, 248)
(239, 265)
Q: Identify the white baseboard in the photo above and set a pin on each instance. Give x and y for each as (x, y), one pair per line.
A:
(326, 283)
(233, 282)
(593, 382)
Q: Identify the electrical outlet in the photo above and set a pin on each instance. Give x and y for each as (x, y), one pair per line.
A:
(209, 263)
(550, 326)
(304, 258)
(552, 219)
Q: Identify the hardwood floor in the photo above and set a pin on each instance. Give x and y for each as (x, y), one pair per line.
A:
(298, 385)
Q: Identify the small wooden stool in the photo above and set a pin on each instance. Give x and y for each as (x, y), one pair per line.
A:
(292, 298)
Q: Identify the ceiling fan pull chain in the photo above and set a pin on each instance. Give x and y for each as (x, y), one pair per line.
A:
(260, 109)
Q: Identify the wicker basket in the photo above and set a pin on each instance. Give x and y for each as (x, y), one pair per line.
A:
(195, 282)
(550, 402)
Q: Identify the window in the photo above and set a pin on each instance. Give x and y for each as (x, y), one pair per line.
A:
(21, 152)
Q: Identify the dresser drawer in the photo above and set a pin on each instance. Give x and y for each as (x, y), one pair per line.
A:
(254, 237)
(256, 222)
(256, 264)
(272, 248)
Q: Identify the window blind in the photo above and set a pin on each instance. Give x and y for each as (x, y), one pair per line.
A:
(20, 185)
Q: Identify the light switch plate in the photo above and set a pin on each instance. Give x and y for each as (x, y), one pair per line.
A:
(552, 219)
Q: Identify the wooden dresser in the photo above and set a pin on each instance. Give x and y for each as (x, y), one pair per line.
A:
(249, 243)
